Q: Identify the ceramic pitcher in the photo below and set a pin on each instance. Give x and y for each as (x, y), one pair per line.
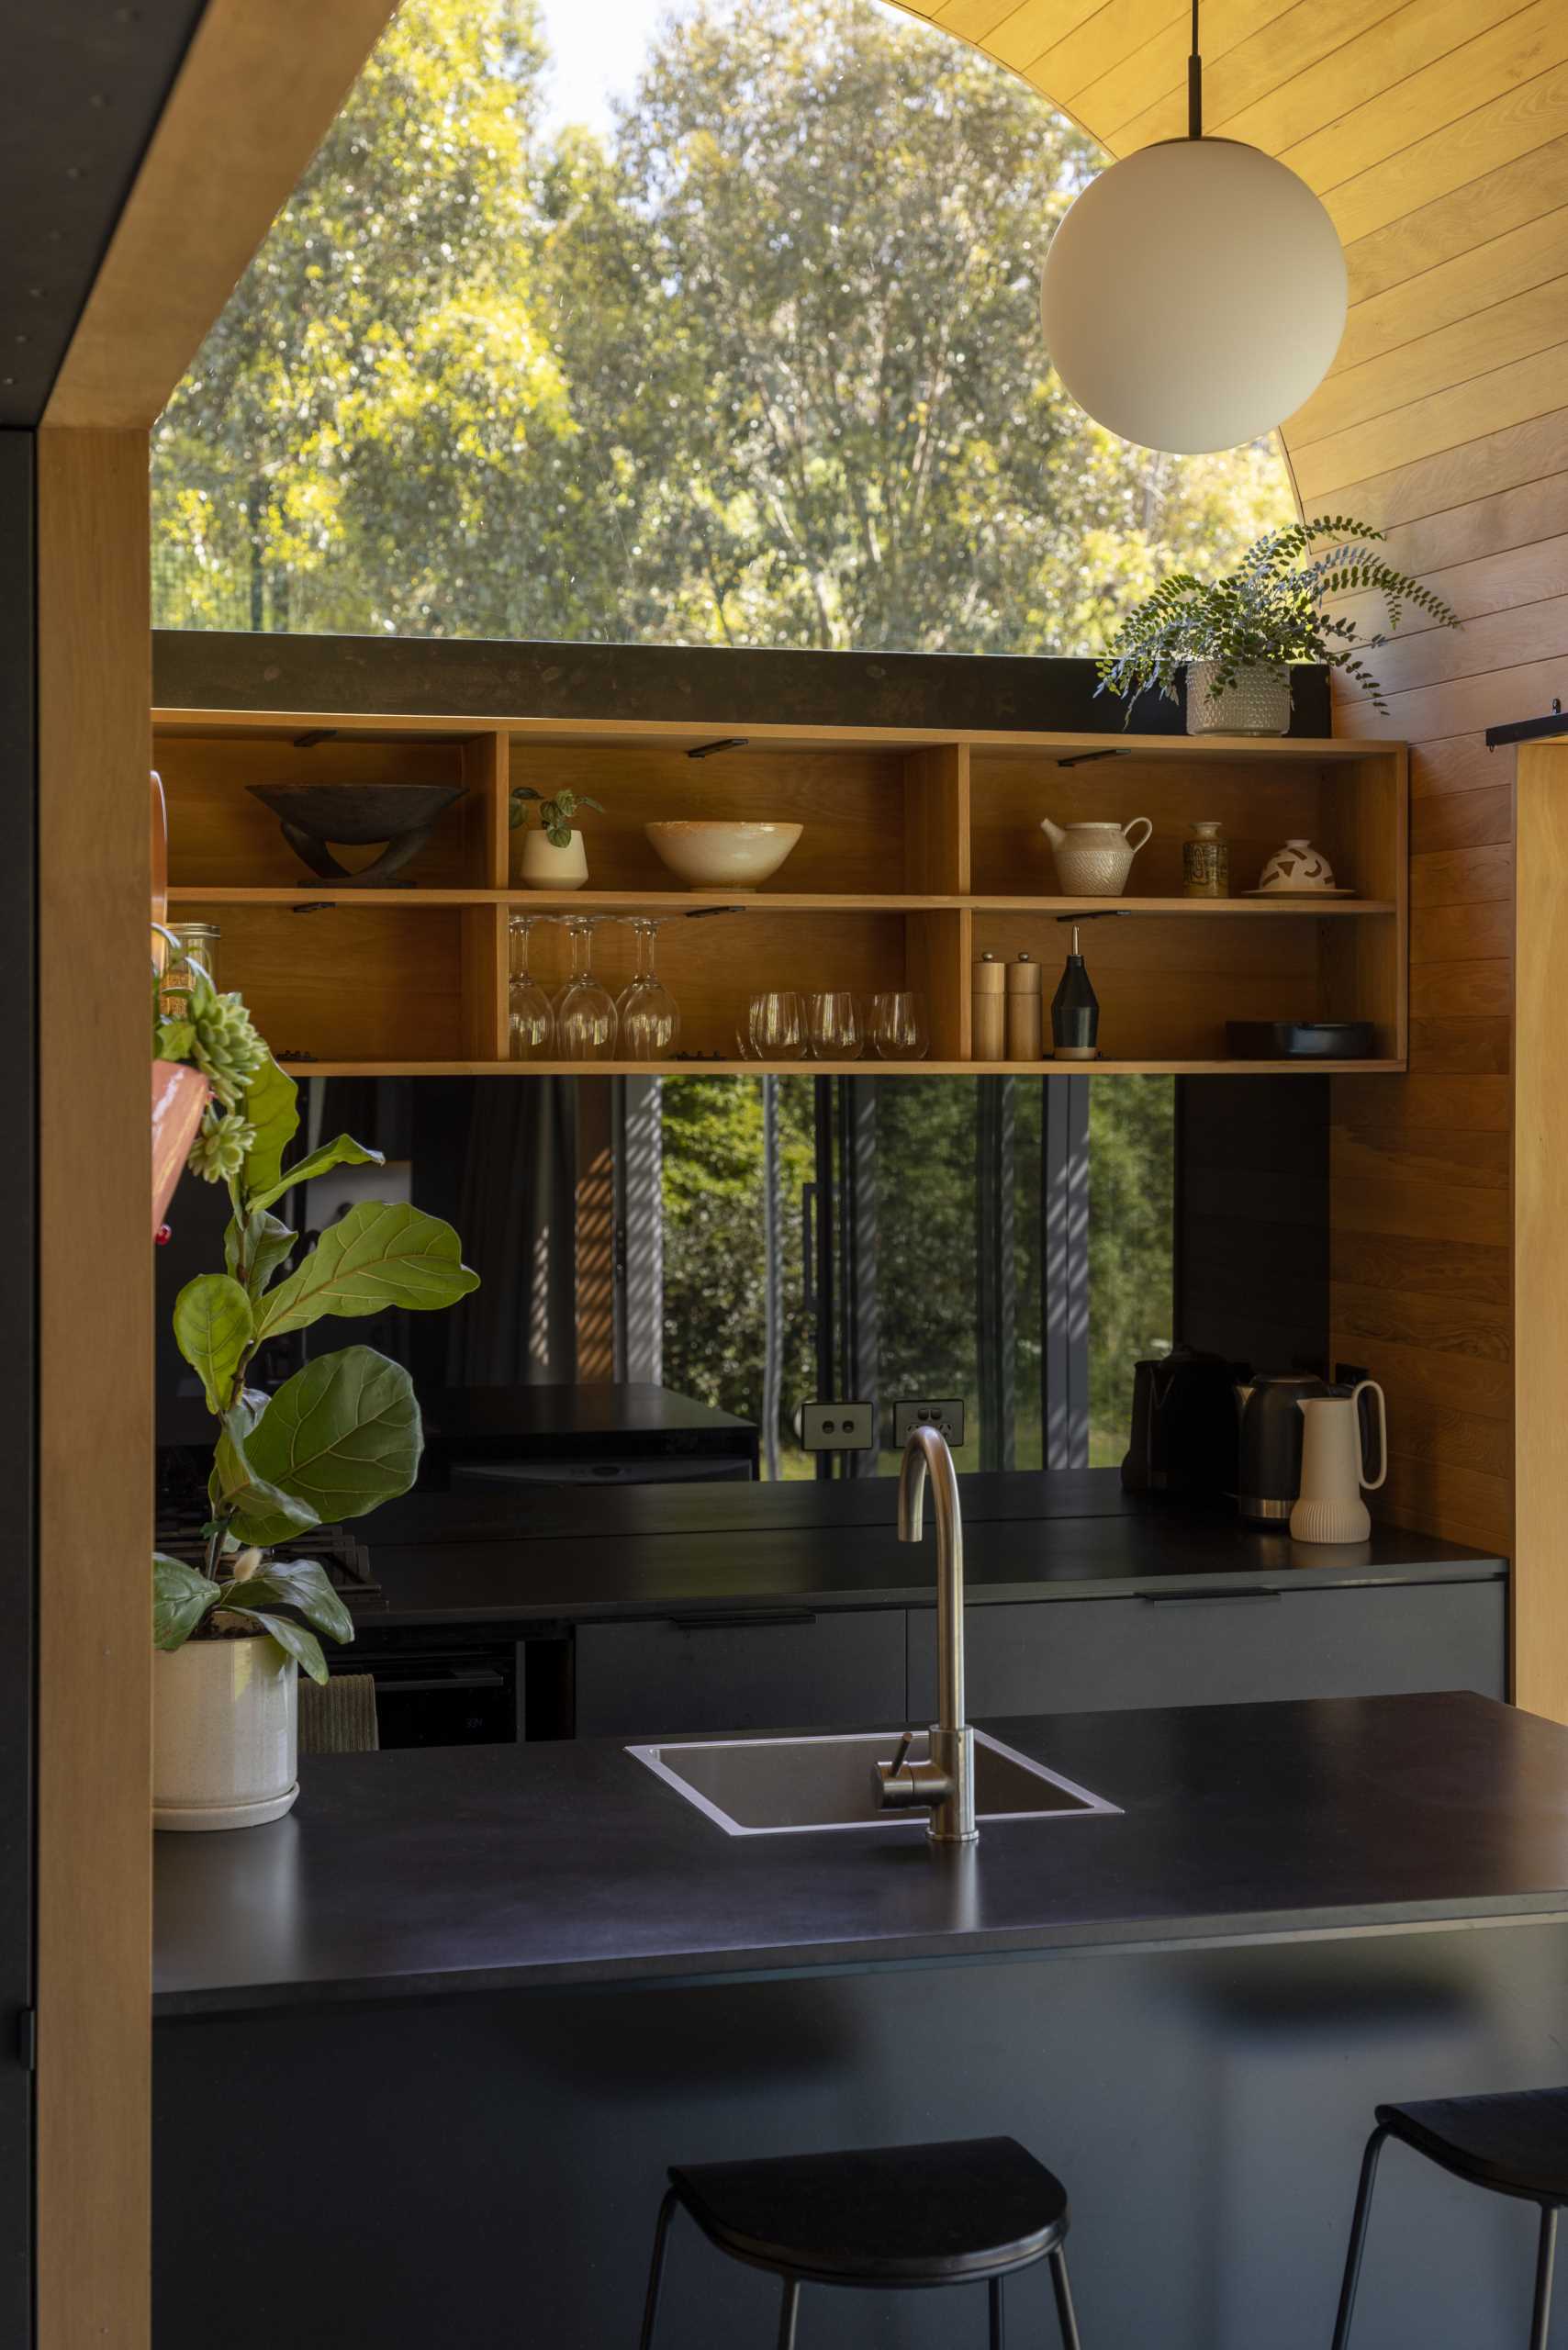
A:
(1094, 860)
(1334, 1470)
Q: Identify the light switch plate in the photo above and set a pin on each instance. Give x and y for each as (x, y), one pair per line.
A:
(943, 1412)
(837, 1427)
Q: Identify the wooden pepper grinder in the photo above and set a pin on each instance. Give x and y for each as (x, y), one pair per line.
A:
(989, 1007)
(1075, 1012)
(1024, 1000)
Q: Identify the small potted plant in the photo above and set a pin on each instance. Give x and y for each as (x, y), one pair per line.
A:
(1237, 637)
(552, 855)
(336, 1439)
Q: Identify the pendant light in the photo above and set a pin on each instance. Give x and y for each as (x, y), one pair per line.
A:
(1195, 293)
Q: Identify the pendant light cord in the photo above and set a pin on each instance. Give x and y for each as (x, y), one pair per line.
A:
(1194, 84)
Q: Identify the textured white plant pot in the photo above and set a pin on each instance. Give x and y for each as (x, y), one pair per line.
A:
(541, 866)
(225, 1734)
(1258, 703)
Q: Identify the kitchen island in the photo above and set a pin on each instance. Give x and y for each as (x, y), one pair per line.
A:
(449, 2019)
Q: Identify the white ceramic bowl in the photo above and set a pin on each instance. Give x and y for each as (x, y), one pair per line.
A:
(716, 855)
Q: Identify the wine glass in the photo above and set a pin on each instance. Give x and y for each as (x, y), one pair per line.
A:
(585, 1020)
(649, 1015)
(833, 1026)
(778, 1031)
(531, 1025)
(897, 1025)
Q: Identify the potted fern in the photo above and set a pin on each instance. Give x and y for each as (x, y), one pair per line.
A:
(336, 1439)
(1237, 637)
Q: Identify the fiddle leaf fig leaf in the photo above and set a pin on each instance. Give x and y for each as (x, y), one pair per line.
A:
(303, 1584)
(213, 1327)
(263, 1512)
(375, 1256)
(262, 1248)
(342, 1152)
(181, 1598)
(271, 1107)
(292, 1639)
(343, 1434)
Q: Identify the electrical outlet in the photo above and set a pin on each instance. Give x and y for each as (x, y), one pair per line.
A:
(945, 1413)
(837, 1427)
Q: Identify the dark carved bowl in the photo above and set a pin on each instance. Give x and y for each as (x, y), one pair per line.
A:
(356, 814)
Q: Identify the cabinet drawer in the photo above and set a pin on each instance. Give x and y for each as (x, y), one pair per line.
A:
(794, 1671)
(1078, 1655)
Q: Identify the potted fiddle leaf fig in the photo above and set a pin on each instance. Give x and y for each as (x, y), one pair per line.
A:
(335, 1440)
(1237, 637)
(552, 856)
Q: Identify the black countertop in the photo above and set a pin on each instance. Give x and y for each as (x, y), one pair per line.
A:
(428, 1872)
(650, 1550)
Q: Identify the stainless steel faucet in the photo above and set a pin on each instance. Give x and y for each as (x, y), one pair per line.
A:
(944, 1785)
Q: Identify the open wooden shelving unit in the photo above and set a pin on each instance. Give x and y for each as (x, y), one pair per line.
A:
(921, 851)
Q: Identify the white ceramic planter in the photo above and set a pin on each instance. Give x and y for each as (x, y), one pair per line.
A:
(541, 866)
(225, 1734)
(1258, 703)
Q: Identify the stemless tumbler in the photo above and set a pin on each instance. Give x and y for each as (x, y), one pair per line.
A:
(777, 1029)
(897, 1025)
(833, 1026)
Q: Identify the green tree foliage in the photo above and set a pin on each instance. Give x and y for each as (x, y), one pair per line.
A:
(763, 368)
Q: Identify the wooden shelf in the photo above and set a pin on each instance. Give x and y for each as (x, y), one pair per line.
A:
(920, 852)
(1296, 1067)
(672, 904)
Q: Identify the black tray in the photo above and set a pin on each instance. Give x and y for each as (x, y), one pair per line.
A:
(1301, 1040)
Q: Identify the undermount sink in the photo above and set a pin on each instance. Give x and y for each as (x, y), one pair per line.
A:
(791, 1786)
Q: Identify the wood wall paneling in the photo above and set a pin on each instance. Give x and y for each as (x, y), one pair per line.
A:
(95, 1395)
(1541, 1211)
(1436, 132)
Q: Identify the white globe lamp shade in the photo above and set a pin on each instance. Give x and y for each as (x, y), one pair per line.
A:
(1195, 296)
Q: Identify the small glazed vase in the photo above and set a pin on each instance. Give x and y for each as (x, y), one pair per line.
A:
(1258, 703)
(1297, 866)
(1094, 860)
(541, 866)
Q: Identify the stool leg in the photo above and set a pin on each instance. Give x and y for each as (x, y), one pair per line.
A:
(996, 2319)
(656, 2274)
(789, 2309)
(1063, 2292)
(1357, 2238)
(1544, 2258)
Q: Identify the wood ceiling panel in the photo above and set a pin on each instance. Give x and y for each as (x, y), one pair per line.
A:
(1528, 42)
(1088, 45)
(1395, 45)
(1474, 215)
(1494, 462)
(1157, 69)
(1511, 395)
(1035, 27)
(1514, 524)
(1447, 293)
(1491, 336)
(1452, 154)
(1272, 51)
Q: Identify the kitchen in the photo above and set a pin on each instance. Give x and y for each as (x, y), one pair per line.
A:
(610, 1846)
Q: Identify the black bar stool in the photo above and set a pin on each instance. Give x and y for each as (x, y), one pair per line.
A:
(1515, 2144)
(965, 2213)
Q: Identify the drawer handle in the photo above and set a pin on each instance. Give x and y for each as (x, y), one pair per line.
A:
(742, 1619)
(1193, 1598)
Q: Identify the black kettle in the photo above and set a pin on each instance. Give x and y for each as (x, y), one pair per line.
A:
(1183, 1430)
(1270, 1432)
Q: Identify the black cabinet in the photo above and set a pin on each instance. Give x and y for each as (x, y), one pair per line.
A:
(789, 1670)
(1225, 1646)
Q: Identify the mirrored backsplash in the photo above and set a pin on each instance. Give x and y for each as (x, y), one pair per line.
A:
(673, 1270)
